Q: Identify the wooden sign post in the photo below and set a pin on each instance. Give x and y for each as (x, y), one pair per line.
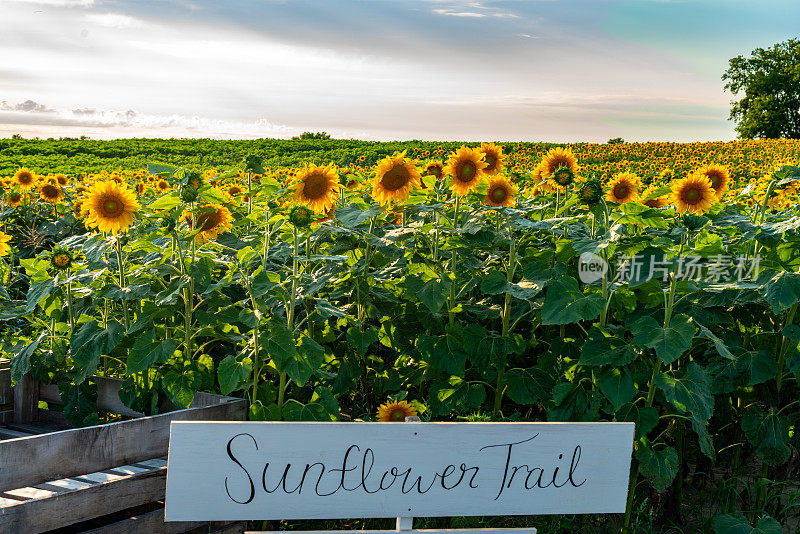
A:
(264, 470)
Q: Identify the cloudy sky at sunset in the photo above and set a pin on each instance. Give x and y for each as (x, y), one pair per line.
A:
(549, 70)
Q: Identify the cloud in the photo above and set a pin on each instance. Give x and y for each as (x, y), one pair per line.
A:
(55, 3)
(457, 9)
(29, 106)
(451, 13)
(133, 123)
(114, 20)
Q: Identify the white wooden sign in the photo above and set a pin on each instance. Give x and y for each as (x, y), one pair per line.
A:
(262, 470)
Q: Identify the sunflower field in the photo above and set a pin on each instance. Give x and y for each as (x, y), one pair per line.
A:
(331, 280)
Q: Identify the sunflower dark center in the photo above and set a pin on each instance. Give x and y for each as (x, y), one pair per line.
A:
(466, 171)
(61, 260)
(208, 220)
(498, 194)
(50, 191)
(491, 161)
(692, 196)
(315, 186)
(715, 179)
(396, 178)
(25, 178)
(111, 207)
(621, 190)
(399, 415)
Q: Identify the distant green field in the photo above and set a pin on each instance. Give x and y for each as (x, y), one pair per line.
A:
(77, 156)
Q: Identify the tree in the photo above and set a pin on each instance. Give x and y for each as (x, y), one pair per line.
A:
(313, 135)
(770, 81)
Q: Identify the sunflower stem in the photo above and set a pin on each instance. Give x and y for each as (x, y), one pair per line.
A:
(784, 345)
(249, 192)
(512, 267)
(763, 215)
(188, 295)
(651, 391)
(70, 309)
(289, 316)
(256, 355)
(267, 235)
(122, 283)
(281, 393)
(453, 263)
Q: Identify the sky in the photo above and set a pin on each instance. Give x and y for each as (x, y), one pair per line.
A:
(524, 70)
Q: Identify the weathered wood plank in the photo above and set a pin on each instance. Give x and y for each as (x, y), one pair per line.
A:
(107, 396)
(62, 509)
(6, 393)
(8, 433)
(49, 393)
(147, 522)
(26, 400)
(54, 419)
(231, 528)
(30, 493)
(75, 452)
(32, 429)
(529, 530)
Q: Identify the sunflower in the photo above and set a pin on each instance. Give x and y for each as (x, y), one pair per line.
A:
(395, 412)
(693, 193)
(436, 169)
(301, 216)
(540, 184)
(110, 207)
(493, 156)
(395, 176)
(14, 199)
(315, 186)
(466, 166)
(62, 180)
(655, 202)
(234, 190)
(591, 192)
(558, 157)
(5, 248)
(719, 177)
(78, 210)
(162, 186)
(563, 176)
(500, 192)
(623, 188)
(61, 258)
(210, 219)
(51, 193)
(194, 180)
(25, 179)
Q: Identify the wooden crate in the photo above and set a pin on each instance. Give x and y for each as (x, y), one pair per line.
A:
(106, 478)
